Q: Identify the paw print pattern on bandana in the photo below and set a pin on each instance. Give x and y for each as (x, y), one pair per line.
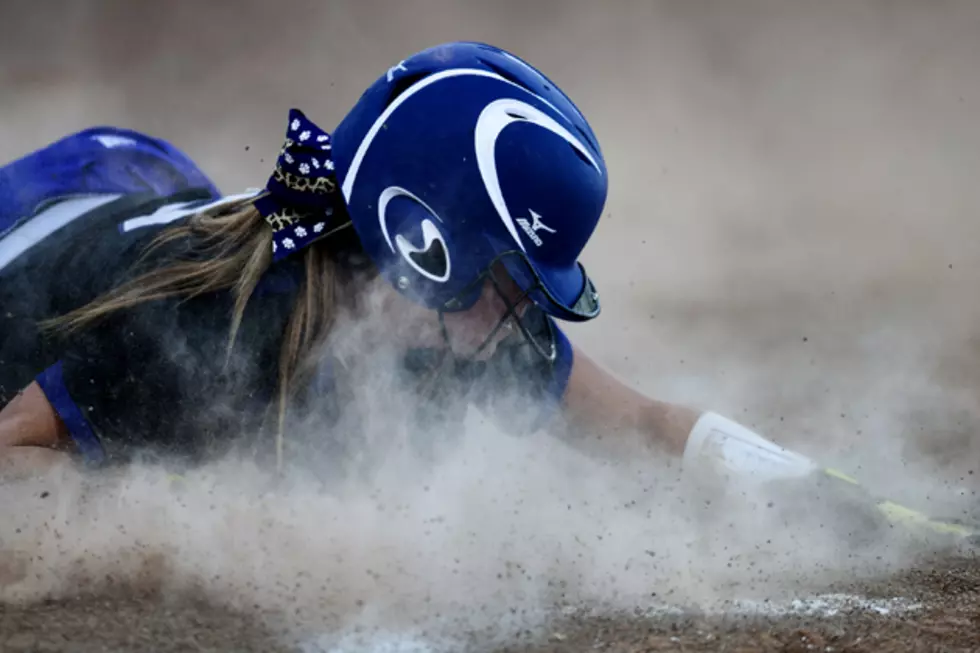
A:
(302, 190)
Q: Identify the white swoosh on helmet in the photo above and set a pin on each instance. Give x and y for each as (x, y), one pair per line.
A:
(355, 165)
(494, 118)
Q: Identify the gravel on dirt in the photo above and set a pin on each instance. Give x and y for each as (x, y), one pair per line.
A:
(946, 596)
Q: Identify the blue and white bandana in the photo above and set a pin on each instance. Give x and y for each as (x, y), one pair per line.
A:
(302, 190)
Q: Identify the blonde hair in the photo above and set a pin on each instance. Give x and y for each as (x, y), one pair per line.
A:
(232, 245)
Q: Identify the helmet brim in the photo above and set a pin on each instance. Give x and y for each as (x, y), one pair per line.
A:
(565, 293)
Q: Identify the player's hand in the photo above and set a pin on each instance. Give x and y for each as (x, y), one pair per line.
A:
(719, 448)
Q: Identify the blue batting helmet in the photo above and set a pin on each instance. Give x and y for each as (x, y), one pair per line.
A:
(464, 155)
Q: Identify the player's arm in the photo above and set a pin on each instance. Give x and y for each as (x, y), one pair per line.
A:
(607, 414)
(30, 434)
(29, 420)
(616, 419)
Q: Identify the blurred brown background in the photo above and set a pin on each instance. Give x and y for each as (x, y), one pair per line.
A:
(792, 234)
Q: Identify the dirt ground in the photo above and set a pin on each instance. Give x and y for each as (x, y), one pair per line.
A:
(791, 239)
(946, 596)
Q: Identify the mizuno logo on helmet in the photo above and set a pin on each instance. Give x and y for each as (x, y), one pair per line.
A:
(496, 117)
(531, 228)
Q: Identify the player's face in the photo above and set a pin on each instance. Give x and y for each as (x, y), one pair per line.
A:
(493, 316)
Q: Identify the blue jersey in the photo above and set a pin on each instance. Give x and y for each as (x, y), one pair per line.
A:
(153, 378)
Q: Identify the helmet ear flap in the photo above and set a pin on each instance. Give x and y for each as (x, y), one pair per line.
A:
(432, 259)
(417, 238)
(422, 266)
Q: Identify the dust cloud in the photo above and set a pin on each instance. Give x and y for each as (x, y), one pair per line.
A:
(790, 240)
